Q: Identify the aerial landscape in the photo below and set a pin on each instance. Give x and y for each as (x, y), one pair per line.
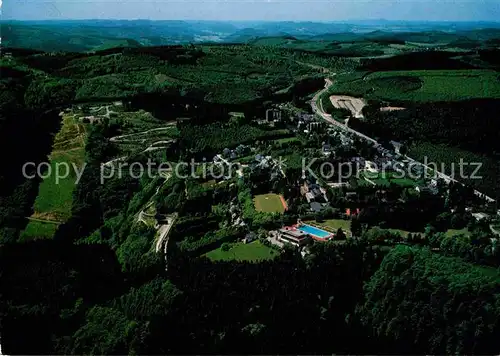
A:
(250, 178)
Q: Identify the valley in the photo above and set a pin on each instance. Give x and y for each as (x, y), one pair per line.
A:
(241, 190)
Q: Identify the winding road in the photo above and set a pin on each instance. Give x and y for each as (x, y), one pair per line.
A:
(128, 138)
(163, 229)
(318, 109)
(120, 138)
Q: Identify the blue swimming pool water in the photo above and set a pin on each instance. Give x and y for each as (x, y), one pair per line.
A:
(308, 229)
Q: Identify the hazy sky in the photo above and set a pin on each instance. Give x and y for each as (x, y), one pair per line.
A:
(322, 10)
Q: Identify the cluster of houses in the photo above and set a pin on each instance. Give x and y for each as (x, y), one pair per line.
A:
(315, 126)
(344, 139)
(315, 195)
(241, 150)
(302, 120)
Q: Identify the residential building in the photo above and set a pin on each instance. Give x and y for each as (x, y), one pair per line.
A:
(396, 145)
(273, 115)
(313, 192)
(326, 149)
(427, 189)
(309, 197)
(314, 126)
(339, 185)
(480, 216)
(352, 212)
(251, 236)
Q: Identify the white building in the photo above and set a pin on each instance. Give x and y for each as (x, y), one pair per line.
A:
(480, 216)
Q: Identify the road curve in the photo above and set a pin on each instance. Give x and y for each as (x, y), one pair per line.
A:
(163, 234)
(318, 109)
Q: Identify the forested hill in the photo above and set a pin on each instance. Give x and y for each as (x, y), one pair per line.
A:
(93, 35)
(420, 298)
(202, 72)
(416, 302)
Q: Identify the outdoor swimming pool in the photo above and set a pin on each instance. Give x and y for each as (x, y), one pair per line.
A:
(308, 229)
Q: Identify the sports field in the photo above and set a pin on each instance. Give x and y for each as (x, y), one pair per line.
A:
(270, 203)
(254, 251)
(422, 85)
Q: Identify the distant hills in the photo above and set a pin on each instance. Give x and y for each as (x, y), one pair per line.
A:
(91, 35)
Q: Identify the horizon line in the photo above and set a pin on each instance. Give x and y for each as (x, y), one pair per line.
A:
(257, 20)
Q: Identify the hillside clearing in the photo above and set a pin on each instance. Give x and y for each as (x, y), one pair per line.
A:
(422, 85)
(55, 195)
(354, 105)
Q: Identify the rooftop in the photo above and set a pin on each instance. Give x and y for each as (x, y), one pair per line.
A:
(293, 232)
(316, 207)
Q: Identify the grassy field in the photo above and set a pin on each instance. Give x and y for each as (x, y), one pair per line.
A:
(453, 232)
(55, 195)
(388, 178)
(450, 232)
(38, 229)
(333, 224)
(254, 251)
(269, 203)
(422, 85)
(287, 140)
(70, 136)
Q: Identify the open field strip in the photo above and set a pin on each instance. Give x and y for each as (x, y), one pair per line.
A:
(422, 85)
(55, 196)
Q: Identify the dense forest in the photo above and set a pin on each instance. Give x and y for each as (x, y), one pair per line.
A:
(199, 71)
(97, 288)
(86, 304)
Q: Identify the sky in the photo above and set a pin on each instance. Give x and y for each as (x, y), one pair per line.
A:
(236, 10)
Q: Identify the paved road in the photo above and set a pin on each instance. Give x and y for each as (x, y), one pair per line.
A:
(121, 137)
(129, 139)
(163, 229)
(495, 231)
(318, 109)
(163, 234)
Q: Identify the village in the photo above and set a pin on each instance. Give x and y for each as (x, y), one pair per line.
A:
(329, 203)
